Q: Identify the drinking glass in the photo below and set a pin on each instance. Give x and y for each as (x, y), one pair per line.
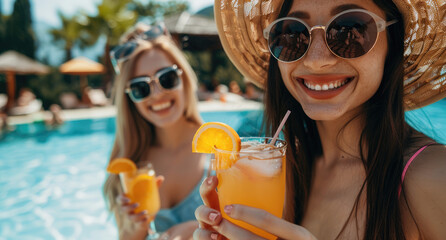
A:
(141, 187)
(255, 177)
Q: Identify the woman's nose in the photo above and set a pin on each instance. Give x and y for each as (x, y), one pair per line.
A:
(156, 88)
(318, 55)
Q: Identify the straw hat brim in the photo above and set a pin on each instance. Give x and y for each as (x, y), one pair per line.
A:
(240, 26)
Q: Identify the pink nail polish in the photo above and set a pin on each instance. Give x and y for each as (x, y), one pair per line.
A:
(214, 236)
(209, 180)
(213, 216)
(228, 209)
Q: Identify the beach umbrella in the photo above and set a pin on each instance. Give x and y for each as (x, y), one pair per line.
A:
(12, 63)
(82, 67)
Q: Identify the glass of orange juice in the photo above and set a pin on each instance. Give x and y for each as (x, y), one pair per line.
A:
(255, 177)
(141, 187)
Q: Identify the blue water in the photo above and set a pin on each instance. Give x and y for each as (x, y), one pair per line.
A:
(51, 181)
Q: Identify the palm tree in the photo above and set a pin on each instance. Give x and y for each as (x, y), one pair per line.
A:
(68, 34)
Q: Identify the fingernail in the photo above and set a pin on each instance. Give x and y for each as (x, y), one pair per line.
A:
(144, 212)
(213, 216)
(209, 180)
(228, 209)
(214, 236)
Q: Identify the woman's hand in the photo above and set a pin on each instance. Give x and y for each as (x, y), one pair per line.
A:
(127, 210)
(180, 231)
(214, 226)
(139, 226)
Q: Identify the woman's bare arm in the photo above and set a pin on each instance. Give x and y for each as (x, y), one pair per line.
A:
(425, 191)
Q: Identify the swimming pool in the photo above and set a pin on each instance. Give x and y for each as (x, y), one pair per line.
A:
(51, 181)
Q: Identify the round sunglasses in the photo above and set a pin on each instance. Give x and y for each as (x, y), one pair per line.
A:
(167, 78)
(349, 34)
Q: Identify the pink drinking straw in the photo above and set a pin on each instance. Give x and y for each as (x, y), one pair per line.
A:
(280, 127)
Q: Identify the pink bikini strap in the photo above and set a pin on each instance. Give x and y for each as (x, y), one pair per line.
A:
(408, 163)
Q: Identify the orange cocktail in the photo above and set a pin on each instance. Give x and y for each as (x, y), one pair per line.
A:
(255, 177)
(141, 187)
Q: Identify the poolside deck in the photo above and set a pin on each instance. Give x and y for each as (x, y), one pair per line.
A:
(110, 111)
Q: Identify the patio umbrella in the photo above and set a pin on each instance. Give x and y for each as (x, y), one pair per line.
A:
(12, 63)
(82, 67)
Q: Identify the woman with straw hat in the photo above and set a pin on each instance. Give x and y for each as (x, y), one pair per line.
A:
(347, 69)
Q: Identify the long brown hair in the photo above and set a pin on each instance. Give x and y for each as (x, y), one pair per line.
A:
(134, 134)
(383, 139)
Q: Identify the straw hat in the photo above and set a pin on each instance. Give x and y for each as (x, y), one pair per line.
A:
(240, 27)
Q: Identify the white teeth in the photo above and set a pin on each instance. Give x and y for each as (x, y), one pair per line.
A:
(325, 87)
(161, 106)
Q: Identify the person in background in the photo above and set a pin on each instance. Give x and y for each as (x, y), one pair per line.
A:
(252, 93)
(55, 118)
(26, 96)
(157, 117)
(355, 168)
(3, 122)
(235, 88)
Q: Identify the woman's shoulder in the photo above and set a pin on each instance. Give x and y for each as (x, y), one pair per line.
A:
(425, 162)
(428, 161)
(424, 190)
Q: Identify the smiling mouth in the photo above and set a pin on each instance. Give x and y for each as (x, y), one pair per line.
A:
(161, 106)
(326, 86)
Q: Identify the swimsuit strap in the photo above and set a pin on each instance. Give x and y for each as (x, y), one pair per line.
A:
(408, 164)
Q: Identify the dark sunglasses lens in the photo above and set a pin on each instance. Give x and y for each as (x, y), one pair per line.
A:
(153, 33)
(169, 80)
(140, 90)
(352, 34)
(123, 51)
(288, 40)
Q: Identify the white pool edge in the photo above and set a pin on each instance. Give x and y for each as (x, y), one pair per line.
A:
(110, 111)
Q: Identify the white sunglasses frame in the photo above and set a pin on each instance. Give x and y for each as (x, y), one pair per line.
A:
(153, 79)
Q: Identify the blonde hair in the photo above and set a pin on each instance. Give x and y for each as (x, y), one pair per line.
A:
(133, 132)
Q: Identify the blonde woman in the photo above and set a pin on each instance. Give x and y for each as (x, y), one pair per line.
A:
(157, 117)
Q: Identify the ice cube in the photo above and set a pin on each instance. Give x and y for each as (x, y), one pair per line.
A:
(264, 168)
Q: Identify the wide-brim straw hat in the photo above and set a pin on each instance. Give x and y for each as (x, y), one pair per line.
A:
(240, 26)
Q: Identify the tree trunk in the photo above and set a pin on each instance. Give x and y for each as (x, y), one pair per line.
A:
(107, 79)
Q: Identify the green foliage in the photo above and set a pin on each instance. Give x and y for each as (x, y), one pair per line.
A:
(213, 68)
(3, 19)
(112, 20)
(19, 35)
(154, 10)
(68, 35)
(49, 87)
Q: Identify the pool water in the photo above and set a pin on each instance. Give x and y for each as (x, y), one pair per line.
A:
(51, 181)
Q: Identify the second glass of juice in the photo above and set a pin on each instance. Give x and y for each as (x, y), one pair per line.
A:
(255, 177)
(141, 187)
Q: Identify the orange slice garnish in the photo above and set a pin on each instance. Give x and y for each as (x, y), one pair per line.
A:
(121, 165)
(215, 134)
(220, 136)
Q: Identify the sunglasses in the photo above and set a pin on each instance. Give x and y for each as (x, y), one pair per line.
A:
(123, 51)
(349, 34)
(141, 87)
